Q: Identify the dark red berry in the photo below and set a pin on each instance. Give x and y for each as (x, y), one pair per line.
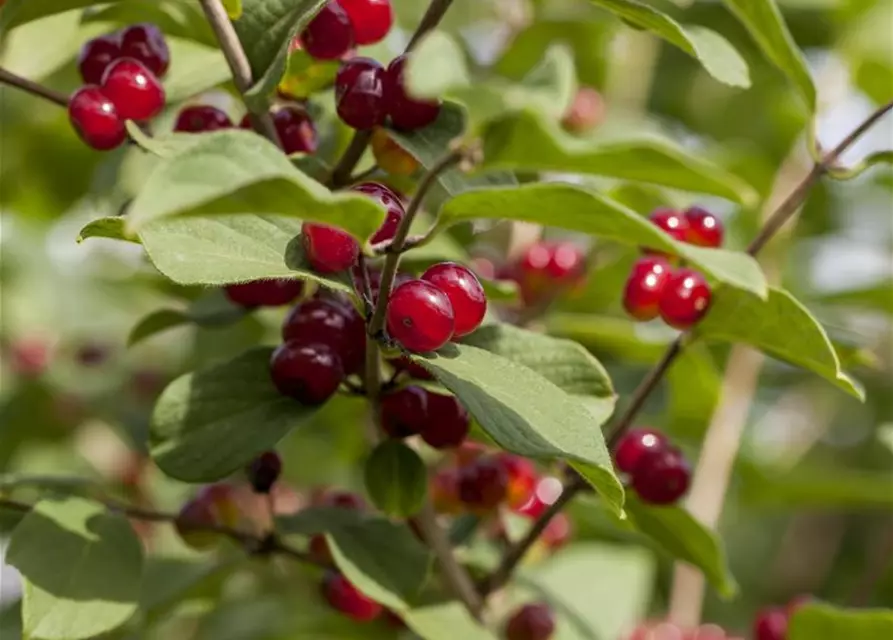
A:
(134, 89)
(661, 476)
(406, 113)
(245, 122)
(410, 368)
(307, 372)
(483, 484)
(95, 118)
(633, 446)
(371, 19)
(465, 293)
(200, 118)
(146, 43)
(420, 316)
(329, 249)
(704, 228)
(330, 34)
(685, 299)
(404, 412)
(531, 622)
(771, 624)
(332, 323)
(447, 422)
(359, 93)
(391, 203)
(643, 287)
(672, 222)
(295, 129)
(264, 293)
(96, 55)
(264, 471)
(346, 598)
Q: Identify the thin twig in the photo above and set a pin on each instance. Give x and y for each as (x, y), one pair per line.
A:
(429, 21)
(33, 88)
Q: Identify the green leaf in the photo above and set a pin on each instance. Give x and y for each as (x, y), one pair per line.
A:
(313, 520)
(396, 479)
(527, 142)
(212, 422)
(872, 159)
(816, 621)
(110, 227)
(579, 209)
(765, 23)
(527, 414)
(305, 75)
(719, 58)
(238, 172)
(81, 566)
(445, 621)
(156, 322)
(166, 145)
(780, 326)
(167, 579)
(18, 12)
(211, 310)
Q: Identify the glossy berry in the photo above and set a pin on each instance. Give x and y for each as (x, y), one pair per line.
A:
(331, 323)
(390, 156)
(136, 92)
(391, 203)
(96, 55)
(465, 293)
(420, 316)
(447, 422)
(307, 372)
(200, 118)
(685, 299)
(264, 293)
(547, 266)
(646, 281)
(483, 484)
(146, 43)
(661, 477)
(295, 129)
(404, 412)
(704, 228)
(670, 221)
(531, 622)
(264, 471)
(522, 479)
(371, 19)
(406, 113)
(410, 368)
(771, 624)
(330, 34)
(95, 118)
(346, 598)
(635, 445)
(359, 93)
(586, 112)
(329, 249)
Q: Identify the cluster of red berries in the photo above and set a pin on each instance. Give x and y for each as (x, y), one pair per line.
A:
(655, 288)
(657, 470)
(121, 73)
(440, 420)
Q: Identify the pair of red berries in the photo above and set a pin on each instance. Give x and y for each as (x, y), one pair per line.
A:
(546, 268)
(533, 621)
(658, 471)
(439, 419)
(342, 25)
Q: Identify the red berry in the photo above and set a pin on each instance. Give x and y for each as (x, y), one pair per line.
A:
(410, 368)
(329, 249)
(531, 622)
(331, 323)
(264, 293)
(483, 484)
(96, 55)
(771, 624)
(359, 93)
(685, 299)
(95, 118)
(567, 263)
(545, 493)
(545, 266)
(134, 89)
(404, 412)
(634, 445)
(586, 112)
(330, 34)
(704, 228)
(346, 598)
(264, 471)
(406, 113)
(465, 293)
(644, 285)
(420, 316)
(391, 203)
(200, 118)
(371, 19)
(308, 372)
(295, 129)
(672, 222)
(146, 43)
(447, 422)
(522, 479)
(662, 476)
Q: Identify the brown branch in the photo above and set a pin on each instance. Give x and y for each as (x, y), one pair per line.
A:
(33, 88)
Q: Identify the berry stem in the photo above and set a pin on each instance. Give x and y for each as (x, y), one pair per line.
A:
(33, 88)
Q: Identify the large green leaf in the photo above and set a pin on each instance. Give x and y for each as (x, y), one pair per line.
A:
(108, 227)
(765, 23)
(16, 12)
(210, 423)
(823, 622)
(445, 621)
(527, 414)
(81, 567)
(580, 209)
(719, 58)
(396, 479)
(780, 326)
(527, 142)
